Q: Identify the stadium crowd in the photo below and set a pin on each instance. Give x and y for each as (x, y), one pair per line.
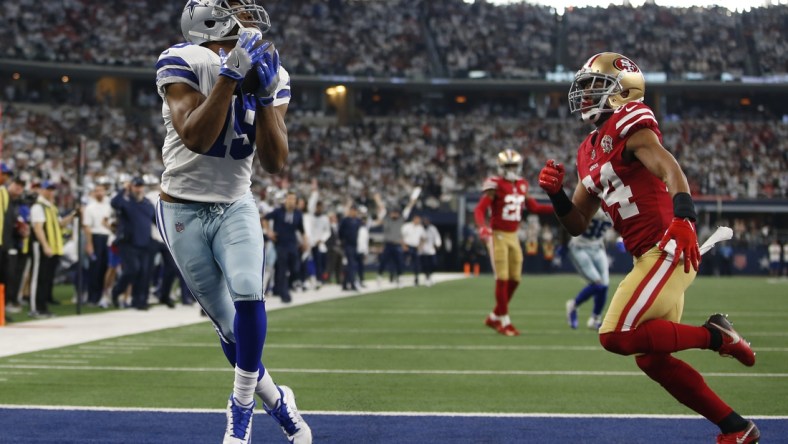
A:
(455, 152)
(408, 38)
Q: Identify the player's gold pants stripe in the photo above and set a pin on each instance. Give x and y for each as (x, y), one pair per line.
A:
(646, 292)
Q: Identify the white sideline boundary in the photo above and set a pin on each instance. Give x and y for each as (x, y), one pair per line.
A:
(63, 331)
(358, 413)
(30, 365)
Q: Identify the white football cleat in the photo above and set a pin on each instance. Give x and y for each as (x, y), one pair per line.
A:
(286, 415)
(239, 423)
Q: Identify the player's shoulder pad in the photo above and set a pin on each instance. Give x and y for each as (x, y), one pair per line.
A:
(632, 117)
(490, 183)
(180, 64)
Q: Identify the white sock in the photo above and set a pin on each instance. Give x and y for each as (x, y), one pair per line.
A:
(493, 316)
(243, 386)
(267, 390)
(504, 320)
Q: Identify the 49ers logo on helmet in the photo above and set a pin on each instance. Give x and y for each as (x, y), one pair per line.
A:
(624, 64)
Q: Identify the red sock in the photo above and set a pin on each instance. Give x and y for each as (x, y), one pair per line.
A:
(510, 288)
(685, 384)
(501, 298)
(656, 336)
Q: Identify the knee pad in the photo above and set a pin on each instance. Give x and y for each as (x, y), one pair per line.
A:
(245, 284)
(618, 342)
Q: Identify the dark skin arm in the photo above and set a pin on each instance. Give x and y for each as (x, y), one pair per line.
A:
(272, 146)
(194, 119)
(194, 115)
(643, 146)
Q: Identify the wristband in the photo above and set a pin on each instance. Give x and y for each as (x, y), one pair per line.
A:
(561, 203)
(683, 207)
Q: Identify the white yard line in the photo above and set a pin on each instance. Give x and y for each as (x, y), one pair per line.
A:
(357, 413)
(438, 347)
(45, 334)
(417, 372)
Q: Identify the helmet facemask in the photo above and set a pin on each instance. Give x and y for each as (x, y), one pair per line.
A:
(218, 20)
(590, 94)
(510, 171)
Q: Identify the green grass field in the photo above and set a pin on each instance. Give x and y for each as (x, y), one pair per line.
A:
(423, 349)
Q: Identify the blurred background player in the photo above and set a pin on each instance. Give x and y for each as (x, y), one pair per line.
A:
(207, 214)
(588, 255)
(504, 198)
(623, 167)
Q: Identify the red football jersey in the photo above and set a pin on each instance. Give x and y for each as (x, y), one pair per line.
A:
(637, 201)
(506, 211)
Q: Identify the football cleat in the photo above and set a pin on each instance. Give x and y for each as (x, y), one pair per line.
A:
(733, 344)
(286, 415)
(571, 313)
(750, 435)
(239, 423)
(492, 323)
(508, 330)
(594, 322)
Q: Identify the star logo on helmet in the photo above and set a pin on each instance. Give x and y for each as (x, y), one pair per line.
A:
(190, 6)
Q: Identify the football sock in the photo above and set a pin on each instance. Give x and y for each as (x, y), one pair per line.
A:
(732, 423)
(243, 387)
(585, 294)
(501, 297)
(685, 384)
(266, 390)
(510, 288)
(250, 327)
(656, 336)
(600, 296)
(494, 317)
(504, 320)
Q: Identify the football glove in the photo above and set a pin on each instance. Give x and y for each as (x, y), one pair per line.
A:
(685, 241)
(268, 74)
(551, 178)
(240, 60)
(485, 233)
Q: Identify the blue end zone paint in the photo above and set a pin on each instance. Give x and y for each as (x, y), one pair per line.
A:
(65, 427)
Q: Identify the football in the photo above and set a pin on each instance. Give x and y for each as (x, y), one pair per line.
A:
(251, 82)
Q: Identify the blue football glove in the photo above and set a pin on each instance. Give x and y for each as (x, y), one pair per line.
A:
(240, 60)
(268, 73)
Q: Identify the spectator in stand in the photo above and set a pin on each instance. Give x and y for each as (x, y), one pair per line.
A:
(47, 248)
(413, 240)
(334, 256)
(97, 230)
(135, 214)
(348, 233)
(431, 241)
(282, 226)
(16, 233)
(775, 259)
(392, 222)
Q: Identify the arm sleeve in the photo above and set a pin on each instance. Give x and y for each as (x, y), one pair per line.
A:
(535, 207)
(480, 213)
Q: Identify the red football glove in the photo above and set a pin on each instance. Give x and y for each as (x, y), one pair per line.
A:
(682, 232)
(485, 233)
(551, 178)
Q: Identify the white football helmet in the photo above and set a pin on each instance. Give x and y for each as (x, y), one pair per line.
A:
(510, 164)
(606, 82)
(217, 20)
